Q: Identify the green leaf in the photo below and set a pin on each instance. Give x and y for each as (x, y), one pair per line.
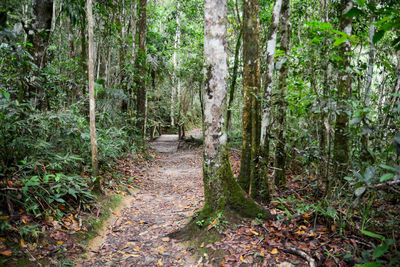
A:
(388, 168)
(340, 40)
(378, 36)
(359, 191)
(355, 120)
(386, 177)
(360, 2)
(380, 250)
(354, 11)
(371, 264)
(373, 235)
(5, 94)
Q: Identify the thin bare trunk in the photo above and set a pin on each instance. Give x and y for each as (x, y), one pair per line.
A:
(176, 82)
(233, 81)
(266, 102)
(92, 107)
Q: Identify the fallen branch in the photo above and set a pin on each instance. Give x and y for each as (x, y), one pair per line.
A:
(387, 184)
(311, 261)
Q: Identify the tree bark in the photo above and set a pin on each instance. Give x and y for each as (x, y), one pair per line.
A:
(251, 118)
(221, 191)
(341, 138)
(280, 150)
(233, 81)
(39, 31)
(266, 103)
(140, 66)
(92, 107)
(366, 155)
(176, 86)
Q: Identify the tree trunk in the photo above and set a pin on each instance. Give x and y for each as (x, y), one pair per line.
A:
(175, 87)
(341, 139)
(221, 192)
(39, 30)
(83, 59)
(266, 104)
(366, 155)
(251, 118)
(280, 151)
(92, 108)
(140, 66)
(233, 81)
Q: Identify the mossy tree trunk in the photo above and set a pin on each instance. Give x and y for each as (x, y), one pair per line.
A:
(249, 178)
(140, 66)
(341, 138)
(222, 193)
(280, 151)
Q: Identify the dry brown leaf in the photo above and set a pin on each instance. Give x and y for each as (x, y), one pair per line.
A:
(6, 253)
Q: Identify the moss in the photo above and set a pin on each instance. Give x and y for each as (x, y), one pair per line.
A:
(96, 223)
(236, 197)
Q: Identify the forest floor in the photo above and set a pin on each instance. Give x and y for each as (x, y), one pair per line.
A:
(164, 193)
(169, 193)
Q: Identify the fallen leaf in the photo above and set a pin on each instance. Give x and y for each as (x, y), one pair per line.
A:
(202, 245)
(137, 248)
(165, 239)
(254, 232)
(212, 224)
(242, 259)
(60, 242)
(6, 253)
(159, 262)
(274, 251)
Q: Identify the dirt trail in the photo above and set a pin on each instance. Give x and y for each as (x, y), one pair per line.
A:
(170, 191)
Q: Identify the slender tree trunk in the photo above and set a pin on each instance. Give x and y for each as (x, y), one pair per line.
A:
(248, 178)
(71, 38)
(280, 151)
(83, 59)
(140, 64)
(266, 103)
(233, 81)
(365, 154)
(341, 139)
(92, 107)
(176, 82)
(221, 192)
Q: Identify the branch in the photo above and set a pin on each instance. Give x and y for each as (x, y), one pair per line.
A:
(311, 261)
